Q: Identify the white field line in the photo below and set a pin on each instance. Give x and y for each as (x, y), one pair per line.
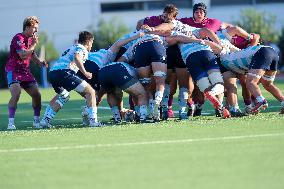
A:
(129, 144)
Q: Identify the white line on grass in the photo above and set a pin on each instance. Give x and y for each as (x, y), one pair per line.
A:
(226, 138)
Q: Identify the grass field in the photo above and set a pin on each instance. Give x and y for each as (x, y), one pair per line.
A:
(204, 152)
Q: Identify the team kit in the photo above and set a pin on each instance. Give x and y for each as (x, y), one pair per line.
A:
(204, 57)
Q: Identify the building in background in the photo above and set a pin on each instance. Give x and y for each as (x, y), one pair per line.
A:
(62, 20)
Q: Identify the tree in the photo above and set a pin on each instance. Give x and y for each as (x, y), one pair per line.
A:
(262, 23)
(108, 32)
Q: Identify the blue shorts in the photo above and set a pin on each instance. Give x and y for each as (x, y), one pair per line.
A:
(200, 62)
(148, 52)
(174, 58)
(116, 75)
(94, 69)
(265, 58)
(64, 79)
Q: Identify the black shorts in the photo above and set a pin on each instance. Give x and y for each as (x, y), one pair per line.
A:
(174, 58)
(64, 79)
(92, 67)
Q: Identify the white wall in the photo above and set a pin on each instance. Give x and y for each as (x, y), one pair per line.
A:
(62, 20)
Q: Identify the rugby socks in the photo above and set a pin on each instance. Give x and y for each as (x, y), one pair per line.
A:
(92, 112)
(158, 97)
(12, 111)
(182, 99)
(217, 89)
(171, 99)
(247, 102)
(115, 113)
(36, 113)
(137, 110)
(143, 112)
(166, 96)
(282, 104)
(151, 105)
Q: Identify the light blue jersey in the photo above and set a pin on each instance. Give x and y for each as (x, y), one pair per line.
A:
(187, 49)
(239, 60)
(66, 61)
(128, 36)
(102, 57)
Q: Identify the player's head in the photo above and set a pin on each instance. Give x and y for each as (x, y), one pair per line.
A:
(86, 38)
(170, 13)
(30, 25)
(199, 11)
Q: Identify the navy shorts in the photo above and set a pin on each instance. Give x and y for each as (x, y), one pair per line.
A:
(116, 75)
(148, 52)
(64, 79)
(265, 58)
(92, 67)
(200, 62)
(174, 58)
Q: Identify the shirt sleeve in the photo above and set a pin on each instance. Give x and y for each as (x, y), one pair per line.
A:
(19, 43)
(129, 54)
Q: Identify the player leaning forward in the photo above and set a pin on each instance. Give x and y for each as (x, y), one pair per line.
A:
(64, 79)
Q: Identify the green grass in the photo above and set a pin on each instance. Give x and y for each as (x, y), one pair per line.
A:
(204, 152)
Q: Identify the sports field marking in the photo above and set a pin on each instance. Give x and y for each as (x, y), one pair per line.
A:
(87, 146)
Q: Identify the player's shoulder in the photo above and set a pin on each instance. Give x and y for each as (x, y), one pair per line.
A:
(186, 20)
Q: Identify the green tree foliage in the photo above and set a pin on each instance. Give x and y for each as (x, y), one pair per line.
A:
(262, 23)
(107, 33)
(50, 51)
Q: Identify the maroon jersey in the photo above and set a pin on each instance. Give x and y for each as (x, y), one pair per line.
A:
(15, 63)
(17, 69)
(210, 23)
(153, 21)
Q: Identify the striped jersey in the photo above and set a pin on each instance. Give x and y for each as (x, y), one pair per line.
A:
(239, 61)
(66, 61)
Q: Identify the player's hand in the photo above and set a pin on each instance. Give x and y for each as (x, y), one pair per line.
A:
(34, 39)
(146, 28)
(140, 34)
(88, 75)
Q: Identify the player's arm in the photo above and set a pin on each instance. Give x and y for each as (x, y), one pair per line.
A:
(36, 60)
(162, 28)
(205, 32)
(225, 25)
(78, 59)
(121, 42)
(235, 30)
(172, 40)
(24, 52)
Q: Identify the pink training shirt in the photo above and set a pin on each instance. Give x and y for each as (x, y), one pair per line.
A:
(15, 63)
(210, 23)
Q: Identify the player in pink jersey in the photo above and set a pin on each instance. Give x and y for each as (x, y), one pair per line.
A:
(17, 69)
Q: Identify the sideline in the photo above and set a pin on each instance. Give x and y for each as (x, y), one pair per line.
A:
(129, 144)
